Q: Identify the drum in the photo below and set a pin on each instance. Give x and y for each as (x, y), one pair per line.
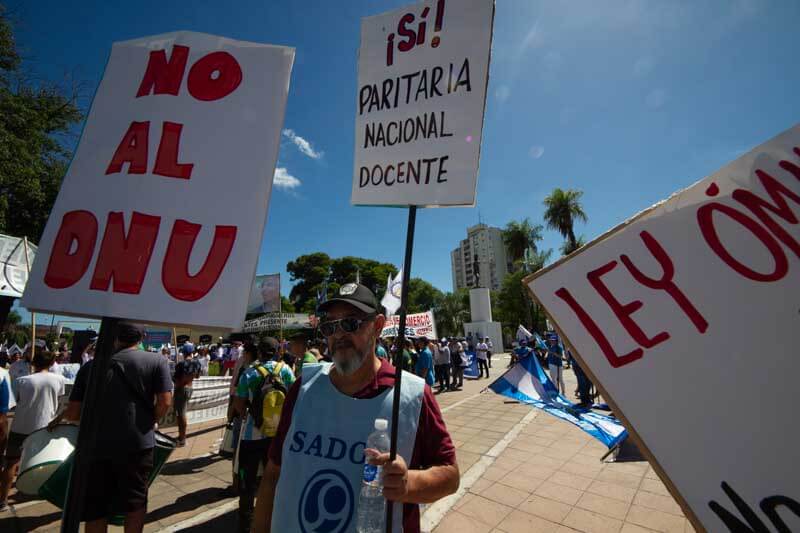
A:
(43, 452)
(54, 490)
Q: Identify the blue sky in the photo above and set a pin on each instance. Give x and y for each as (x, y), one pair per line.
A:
(628, 101)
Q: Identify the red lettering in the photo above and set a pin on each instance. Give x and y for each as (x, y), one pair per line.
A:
(125, 257)
(623, 312)
(175, 271)
(161, 76)
(404, 31)
(132, 149)
(167, 156)
(594, 330)
(665, 283)
(202, 83)
(66, 266)
(706, 222)
(759, 207)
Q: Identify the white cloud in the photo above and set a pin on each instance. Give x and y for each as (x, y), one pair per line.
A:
(303, 145)
(656, 99)
(502, 93)
(536, 152)
(284, 180)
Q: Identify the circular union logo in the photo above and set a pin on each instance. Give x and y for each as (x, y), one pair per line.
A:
(397, 287)
(326, 503)
(348, 289)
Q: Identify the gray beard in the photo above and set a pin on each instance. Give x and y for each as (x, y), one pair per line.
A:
(348, 366)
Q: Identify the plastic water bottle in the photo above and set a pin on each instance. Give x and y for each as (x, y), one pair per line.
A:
(371, 503)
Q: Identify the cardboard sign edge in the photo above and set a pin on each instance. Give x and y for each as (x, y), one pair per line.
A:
(651, 458)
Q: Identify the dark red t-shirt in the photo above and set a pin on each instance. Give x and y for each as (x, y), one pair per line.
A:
(432, 447)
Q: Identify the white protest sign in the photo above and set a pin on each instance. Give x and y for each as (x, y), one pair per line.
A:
(688, 317)
(14, 273)
(417, 324)
(161, 213)
(422, 75)
(275, 321)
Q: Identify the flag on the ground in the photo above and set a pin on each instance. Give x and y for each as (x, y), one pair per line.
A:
(394, 287)
(527, 382)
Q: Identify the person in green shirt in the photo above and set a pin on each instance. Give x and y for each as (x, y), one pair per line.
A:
(298, 348)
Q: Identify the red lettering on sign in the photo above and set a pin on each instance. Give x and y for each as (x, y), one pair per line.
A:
(623, 311)
(125, 258)
(72, 249)
(175, 271)
(132, 149)
(759, 206)
(665, 283)
(594, 330)
(202, 83)
(167, 156)
(706, 221)
(162, 76)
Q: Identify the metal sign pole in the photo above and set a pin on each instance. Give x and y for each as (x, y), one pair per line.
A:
(400, 342)
(89, 426)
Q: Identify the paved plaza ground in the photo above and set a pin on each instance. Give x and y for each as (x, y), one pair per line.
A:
(522, 470)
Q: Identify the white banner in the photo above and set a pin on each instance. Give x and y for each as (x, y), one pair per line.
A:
(417, 324)
(15, 269)
(422, 76)
(180, 122)
(273, 322)
(687, 316)
(209, 401)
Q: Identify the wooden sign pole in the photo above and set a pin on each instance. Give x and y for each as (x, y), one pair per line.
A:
(400, 342)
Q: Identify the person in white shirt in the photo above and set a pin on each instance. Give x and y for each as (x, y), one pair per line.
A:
(488, 342)
(482, 354)
(203, 359)
(37, 402)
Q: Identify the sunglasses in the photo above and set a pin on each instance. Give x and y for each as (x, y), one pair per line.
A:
(347, 324)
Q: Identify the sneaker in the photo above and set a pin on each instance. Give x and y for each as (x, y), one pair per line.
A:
(181, 443)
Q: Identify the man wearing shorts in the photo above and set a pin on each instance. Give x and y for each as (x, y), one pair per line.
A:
(138, 393)
(185, 372)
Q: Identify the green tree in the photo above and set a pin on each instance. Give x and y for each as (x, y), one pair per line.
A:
(567, 248)
(513, 303)
(451, 313)
(309, 272)
(562, 209)
(371, 273)
(35, 121)
(422, 296)
(518, 236)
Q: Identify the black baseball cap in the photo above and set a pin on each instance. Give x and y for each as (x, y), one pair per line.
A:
(355, 294)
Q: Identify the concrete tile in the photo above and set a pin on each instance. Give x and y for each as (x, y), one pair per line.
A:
(584, 459)
(520, 522)
(633, 468)
(455, 522)
(655, 501)
(480, 485)
(655, 486)
(570, 480)
(559, 493)
(475, 448)
(545, 508)
(611, 490)
(505, 494)
(522, 481)
(584, 520)
(536, 470)
(485, 510)
(618, 478)
(507, 462)
(494, 473)
(627, 527)
(605, 506)
(579, 469)
(657, 520)
(465, 499)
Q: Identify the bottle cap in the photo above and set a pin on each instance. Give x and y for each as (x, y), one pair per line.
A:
(381, 424)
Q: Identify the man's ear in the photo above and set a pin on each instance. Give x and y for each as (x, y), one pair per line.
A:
(380, 321)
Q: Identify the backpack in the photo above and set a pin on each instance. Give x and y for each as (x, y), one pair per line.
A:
(268, 402)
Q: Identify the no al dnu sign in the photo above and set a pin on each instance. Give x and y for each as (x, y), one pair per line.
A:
(180, 121)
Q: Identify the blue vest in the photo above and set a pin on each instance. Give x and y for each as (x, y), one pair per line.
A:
(323, 454)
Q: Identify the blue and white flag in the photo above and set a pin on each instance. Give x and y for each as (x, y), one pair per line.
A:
(528, 383)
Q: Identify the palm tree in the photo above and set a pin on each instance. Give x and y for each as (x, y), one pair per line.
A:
(519, 236)
(451, 313)
(567, 248)
(563, 208)
(534, 261)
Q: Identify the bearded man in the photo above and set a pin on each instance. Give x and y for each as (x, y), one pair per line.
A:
(313, 476)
